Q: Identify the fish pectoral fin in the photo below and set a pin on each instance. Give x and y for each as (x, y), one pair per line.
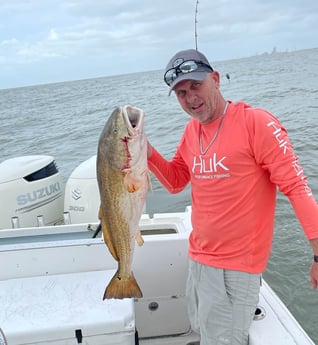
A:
(131, 182)
(140, 241)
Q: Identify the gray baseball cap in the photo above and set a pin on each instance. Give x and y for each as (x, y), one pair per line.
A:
(173, 75)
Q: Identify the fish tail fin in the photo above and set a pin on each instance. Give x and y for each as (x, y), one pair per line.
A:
(122, 288)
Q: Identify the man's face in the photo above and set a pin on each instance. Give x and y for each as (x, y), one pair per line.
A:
(200, 99)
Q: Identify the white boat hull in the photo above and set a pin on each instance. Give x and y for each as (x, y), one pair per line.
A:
(65, 271)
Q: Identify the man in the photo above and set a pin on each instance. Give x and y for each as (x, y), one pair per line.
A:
(234, 156)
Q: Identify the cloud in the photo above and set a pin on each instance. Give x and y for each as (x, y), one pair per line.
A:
(133, 36)
(53, 35)
(8, 43)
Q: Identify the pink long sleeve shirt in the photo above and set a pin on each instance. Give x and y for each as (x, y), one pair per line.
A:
(233, 186)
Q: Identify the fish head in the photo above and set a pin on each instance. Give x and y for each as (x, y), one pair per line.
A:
(123, 140)
(134, 120)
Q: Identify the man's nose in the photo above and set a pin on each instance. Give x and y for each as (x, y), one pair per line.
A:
(191, 95)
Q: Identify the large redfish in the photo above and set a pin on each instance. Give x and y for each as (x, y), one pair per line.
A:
(123, 181)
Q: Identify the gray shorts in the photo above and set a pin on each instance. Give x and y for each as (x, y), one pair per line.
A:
(221, 303)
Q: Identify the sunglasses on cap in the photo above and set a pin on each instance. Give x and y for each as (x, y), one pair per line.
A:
(184, 67)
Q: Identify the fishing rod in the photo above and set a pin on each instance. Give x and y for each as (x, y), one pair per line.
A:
(195, 25)
(196, 31)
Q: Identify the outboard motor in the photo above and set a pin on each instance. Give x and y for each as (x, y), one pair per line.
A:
(81, 203)
(31, 192)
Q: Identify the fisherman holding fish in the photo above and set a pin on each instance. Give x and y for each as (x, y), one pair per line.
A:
(234, 156)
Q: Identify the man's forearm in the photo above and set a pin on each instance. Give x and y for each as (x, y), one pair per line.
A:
(314, 245)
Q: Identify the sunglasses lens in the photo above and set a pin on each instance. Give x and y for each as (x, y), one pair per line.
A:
(184, 67)
(188, 66)
(170, 76)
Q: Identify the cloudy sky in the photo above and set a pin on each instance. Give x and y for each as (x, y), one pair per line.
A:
(45, 41)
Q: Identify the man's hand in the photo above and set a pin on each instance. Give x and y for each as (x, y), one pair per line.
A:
(314, 266)
(314, 275)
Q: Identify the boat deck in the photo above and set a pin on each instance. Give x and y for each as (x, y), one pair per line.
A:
(59, 265)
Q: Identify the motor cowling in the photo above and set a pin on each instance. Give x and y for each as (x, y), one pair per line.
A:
(82, 197)
(31, 192)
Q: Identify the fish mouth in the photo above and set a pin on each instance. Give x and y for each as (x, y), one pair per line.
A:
(134, 119)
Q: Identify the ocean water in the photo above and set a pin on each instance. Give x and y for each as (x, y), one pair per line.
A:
(65, 120)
